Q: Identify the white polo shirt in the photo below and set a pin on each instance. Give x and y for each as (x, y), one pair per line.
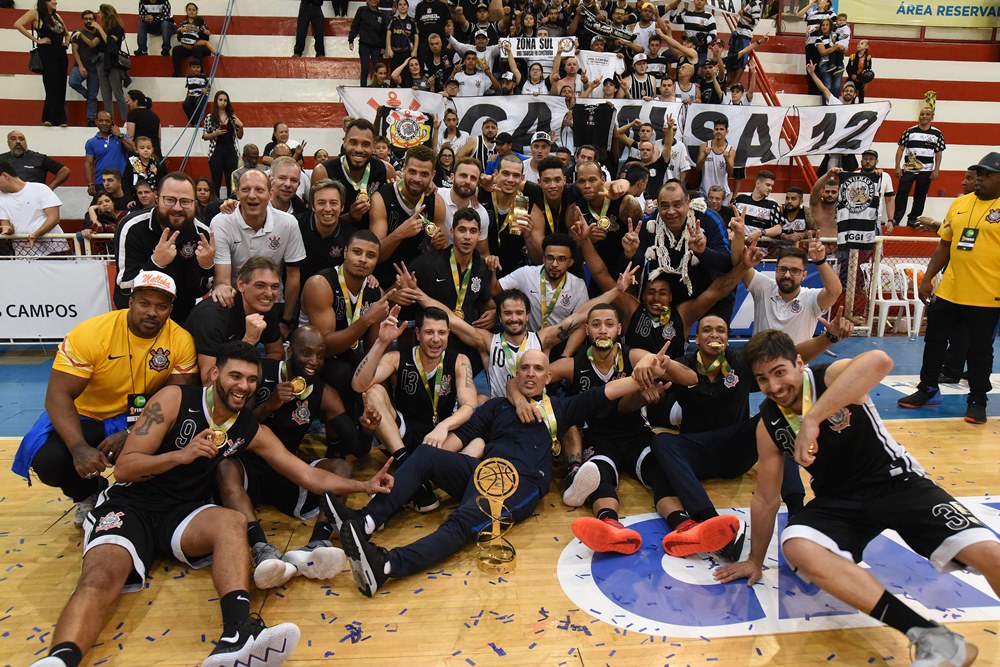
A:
(236, 242)
(573, 294)
(797, 317)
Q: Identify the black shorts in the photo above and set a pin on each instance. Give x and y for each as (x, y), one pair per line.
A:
(739, 173)
(623, 452)
(143, 533)
(264, 485)
(927, 517)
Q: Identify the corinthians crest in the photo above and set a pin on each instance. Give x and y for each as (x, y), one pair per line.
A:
(159, 359)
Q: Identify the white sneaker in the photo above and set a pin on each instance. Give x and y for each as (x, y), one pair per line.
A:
(48, 661)
(269, 570)
(585, 482)
(317, 560)
(83, 508)
(940, 647)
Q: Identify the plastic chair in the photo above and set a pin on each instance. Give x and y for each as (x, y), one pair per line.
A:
(887, 297)
(910, 276)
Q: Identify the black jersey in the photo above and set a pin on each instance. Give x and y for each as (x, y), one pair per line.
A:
(397, 212)
(708, 405)
(856, 455)
(610, 248)
(377, 177)
(195, 481)
(368, 296)
(484, 152)
(508, 247)
(412, 399)
(292, 420)
(646, 333)
(609, 421)
(593, 124)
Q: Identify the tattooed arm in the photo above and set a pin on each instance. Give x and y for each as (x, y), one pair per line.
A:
(467, 401)
(138, 460)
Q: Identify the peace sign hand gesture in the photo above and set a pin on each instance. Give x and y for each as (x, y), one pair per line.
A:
(696, 239)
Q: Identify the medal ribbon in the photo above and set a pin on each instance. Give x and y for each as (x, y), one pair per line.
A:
(794, 420)
(549, 417)
(461, 284)
(359, 186)
(719, 361)
(283, 376)
(210, 402)
(433, 394)
(353, 314)
(619, 357)
(604, 210)
(400, 187)
(508, 219)
(548, 216)
(550, 306)
(513, 357)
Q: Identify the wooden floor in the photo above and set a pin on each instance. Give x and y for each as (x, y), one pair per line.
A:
(455, 615)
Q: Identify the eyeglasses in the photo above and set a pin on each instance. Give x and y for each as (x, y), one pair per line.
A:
(552, 259)
(789, 270)
(171, 201)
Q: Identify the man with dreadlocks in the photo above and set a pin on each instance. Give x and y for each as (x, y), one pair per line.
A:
(689, 247)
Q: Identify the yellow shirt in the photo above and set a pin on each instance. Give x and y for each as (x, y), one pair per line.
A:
(972, 277)
(119, 363)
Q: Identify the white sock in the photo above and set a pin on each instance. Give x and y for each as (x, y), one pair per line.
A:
(385, 570)
(370, 527)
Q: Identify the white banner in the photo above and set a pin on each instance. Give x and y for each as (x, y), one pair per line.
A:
(755, 131)
(724, 6)
(520, 115)
(51, 297)
(364, 102)
(538, 47)
(600, 65)
(843, 129)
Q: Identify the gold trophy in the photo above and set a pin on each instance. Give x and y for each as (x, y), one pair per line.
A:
(496, 480)
(521, 207)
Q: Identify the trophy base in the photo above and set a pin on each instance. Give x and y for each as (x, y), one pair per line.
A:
(497, 558)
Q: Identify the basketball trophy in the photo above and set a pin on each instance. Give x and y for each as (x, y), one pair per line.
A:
(496, 480)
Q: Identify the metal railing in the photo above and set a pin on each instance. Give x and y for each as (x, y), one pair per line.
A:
(21, 246)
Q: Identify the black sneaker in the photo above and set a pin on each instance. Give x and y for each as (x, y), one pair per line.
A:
(920, 398)
(425, 500)
(164, 52)
(338, 513)
(137, 52)
(975, 413)
(250, 642)
(366, 559)
(734, 550)
(948, 379)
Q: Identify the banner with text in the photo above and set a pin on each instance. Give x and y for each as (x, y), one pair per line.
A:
(538, 47)
(52, 296)
(953, 13)
(845, 130)
(520, 115)
(365, 102)
(601, 65)
(755, 131)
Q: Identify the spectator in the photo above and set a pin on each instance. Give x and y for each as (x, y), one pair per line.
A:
(921, 145)
(250, 161)
(101, 217)
(401, 37)
(86, 45)
(472, 79)
(369, 26)
(145, 195)
(205, 196)
(340, 8)
(814, 13)
(848, 91)
(859, 68)
(111, 185)
(715, 159)
(51, 38)
(451, 134)
(536, 83)
(798, 218)
(142, 121)
(198, 87)
(432, 17)
(310, 14)
(167, 238)
(380, 76)
(759, 211)
(968, 293)
(105, 150)
(699, 25)
(746, 22)
(445, 172)
(254, 228)
(154, 17)
(110, 75)
(32, 209)
(143, 165)
(279, 136)
(409, 74)
(192, 39)
(30, 166)
(829, 72)
(222, 130)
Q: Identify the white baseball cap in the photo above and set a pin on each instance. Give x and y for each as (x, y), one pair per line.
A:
(155, 280)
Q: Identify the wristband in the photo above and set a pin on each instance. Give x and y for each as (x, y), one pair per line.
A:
(819, 262)
(831, 337)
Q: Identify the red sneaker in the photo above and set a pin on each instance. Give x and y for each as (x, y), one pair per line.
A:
(692, 537)
(604, 535)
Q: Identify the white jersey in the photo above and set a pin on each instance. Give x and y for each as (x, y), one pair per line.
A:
(714, 171)
(503, 362)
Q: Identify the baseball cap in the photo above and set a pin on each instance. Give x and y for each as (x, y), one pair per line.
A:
(639, 57)
(989, 163)
(155, 280)
(597, 38)
(482, 5)
(504, 138)
(451, 81)
(848, 83)
(482, 33)
(737, 86)
(541, 136)
(870, 151)
(508, 76)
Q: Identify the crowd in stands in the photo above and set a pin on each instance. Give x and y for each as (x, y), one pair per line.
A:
(418, 304)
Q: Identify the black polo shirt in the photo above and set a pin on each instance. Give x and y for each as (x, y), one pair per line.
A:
(211, 325)
(433, 271)
(322, 252)
(32, 167)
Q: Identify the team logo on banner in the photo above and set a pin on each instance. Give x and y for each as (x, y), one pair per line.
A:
(655, 594)
(407, 129)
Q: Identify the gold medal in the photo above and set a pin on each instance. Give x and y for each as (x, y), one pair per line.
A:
(298, 385)
(362, 196)
(603, 343)
(716, 345)
(218, 437)
(429, 227)
(604, 222)
(459, 314)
